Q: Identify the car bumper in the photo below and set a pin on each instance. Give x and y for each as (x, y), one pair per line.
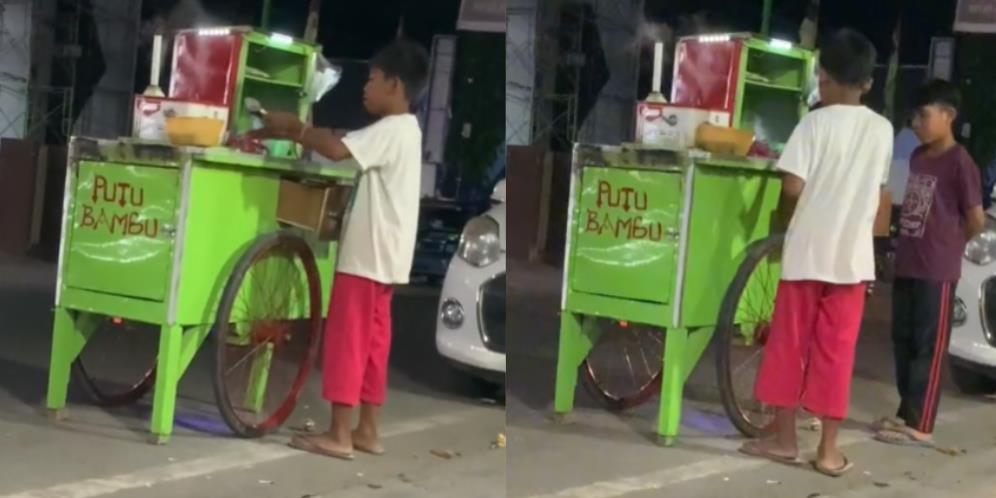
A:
(968, 340)
(475, 290)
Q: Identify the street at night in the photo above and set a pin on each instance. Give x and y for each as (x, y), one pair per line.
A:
(597, 454)
(106, 453)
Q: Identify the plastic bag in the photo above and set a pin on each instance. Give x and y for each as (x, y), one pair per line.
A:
(327, 76)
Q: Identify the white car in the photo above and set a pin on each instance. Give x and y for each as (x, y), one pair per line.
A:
(470, 328)
(972, 351)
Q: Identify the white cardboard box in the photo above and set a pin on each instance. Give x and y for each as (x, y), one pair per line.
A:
(672, 126)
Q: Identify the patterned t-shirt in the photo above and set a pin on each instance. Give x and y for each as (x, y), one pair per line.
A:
(939, 194)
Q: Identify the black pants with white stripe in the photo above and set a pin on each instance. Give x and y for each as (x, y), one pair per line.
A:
(921, 330)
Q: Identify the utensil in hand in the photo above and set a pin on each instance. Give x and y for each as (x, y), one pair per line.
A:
(254, 107)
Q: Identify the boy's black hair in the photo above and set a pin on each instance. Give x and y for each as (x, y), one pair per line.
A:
(406, 61)
(937, 92)
(849, 58)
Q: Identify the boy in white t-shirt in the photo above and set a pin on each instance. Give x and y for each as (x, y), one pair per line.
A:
(377, 245)
(836, 163)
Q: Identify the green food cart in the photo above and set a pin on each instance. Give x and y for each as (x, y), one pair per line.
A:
(195, 243)
(189, 243)
(671, 250)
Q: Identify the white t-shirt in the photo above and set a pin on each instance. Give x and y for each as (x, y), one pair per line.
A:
(379, 238)
(843, 154)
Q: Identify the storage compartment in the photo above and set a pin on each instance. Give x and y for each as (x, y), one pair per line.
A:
(121, 234)
(223, 66)
(272, 98)
(626, 240)
(762, 83)
(272, 65)
(775, 69)
(771, 114)
(317, 206)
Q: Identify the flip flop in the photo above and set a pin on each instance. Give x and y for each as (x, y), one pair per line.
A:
(753, 448)
(902, 438)
(887, 424)
(306, 444)
(367, 449)
(832, 472)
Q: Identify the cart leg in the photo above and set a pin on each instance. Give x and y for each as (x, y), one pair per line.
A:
(167, 378)
(698, 341)
(258, 377)
(672, 385)
(68, 339)
(576, 341)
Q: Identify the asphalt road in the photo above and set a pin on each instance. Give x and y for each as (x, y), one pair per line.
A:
(600, 455)
(104, 453)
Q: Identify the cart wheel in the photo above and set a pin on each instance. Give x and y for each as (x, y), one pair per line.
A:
(742, 330)
(623, 369)
(118, 364)
(267, 333)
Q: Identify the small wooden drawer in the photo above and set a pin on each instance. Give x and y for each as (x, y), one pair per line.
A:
(316, 206)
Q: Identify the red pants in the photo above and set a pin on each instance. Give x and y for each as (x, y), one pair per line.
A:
(809, 357)
(357, 342)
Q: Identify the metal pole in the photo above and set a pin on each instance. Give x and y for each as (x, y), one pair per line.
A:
(766, 18)
(311, 28)
(265, 21)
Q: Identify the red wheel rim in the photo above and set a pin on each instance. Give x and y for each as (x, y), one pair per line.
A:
(753, 319)
(118, 364)
(270, 337)
(624, 367)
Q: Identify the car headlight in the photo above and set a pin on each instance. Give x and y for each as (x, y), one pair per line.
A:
(982, 249)
(479, 244)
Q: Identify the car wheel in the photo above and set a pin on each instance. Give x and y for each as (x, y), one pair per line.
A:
(489, 389)
(971, 382)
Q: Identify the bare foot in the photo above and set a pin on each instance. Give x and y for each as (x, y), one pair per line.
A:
(326, 444)
(770, 448)
(919, 436)
(367, 441)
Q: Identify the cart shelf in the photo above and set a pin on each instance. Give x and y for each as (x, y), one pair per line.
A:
(271, 81)
(774, 86)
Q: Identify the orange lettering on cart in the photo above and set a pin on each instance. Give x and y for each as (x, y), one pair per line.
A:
(627, 197)
(607, 220)
(104, 212)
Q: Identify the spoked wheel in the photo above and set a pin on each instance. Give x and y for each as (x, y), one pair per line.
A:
(118, 364)
(267, 333)
(623, 369)
(742, 331)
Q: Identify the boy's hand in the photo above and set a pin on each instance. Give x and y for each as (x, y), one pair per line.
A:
(279, 125)
(975, 222)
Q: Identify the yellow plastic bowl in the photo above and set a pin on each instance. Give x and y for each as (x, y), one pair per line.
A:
(198, 132)
(721, 140)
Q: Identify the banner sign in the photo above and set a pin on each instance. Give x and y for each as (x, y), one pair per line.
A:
(976, 16)
(482, 15)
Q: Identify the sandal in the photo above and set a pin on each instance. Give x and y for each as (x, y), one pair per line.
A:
(833, 472)
(902, 438)
(754, 449)
(306, 443)
(887, 424)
